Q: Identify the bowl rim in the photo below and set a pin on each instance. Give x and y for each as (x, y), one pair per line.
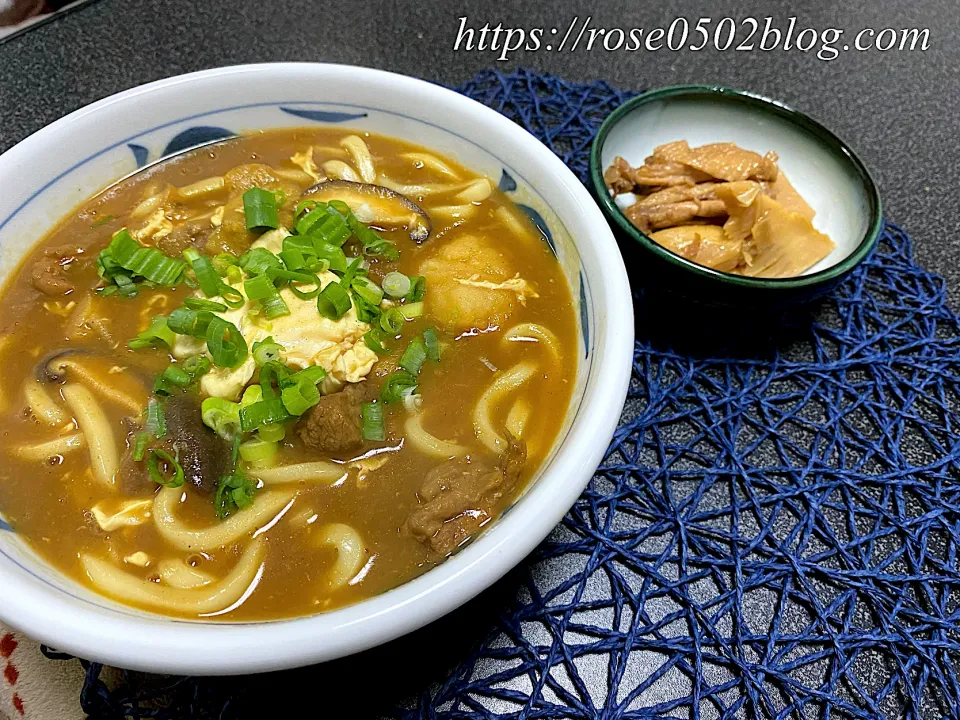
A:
(165, 644)
(766, 105)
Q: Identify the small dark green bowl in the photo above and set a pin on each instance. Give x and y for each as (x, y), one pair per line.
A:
(823, 169)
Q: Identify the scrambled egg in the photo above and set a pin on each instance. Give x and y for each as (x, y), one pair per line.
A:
(304, 161)
(516, 284)
(131, 512)
(139, 558)
(307, 339)
(157, 226)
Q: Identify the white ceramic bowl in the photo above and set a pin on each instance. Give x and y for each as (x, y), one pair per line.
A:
(823, 169)
(49, 173)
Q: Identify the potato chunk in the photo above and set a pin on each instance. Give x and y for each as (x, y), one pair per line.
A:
(460, 284)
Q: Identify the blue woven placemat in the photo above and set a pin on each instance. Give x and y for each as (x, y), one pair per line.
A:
(773, 534)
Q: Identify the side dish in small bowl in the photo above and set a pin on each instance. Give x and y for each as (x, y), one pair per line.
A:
(723, 197)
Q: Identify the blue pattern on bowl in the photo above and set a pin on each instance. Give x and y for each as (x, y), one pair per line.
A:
(323, 115)
(507, 183)
(193, 136)
(140, 154)
(537, 219)
(584, 315)
(4, 525)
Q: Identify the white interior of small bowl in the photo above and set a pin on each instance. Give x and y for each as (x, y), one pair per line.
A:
(827, 180)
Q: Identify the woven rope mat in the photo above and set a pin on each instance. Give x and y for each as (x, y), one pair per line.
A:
(773, 533)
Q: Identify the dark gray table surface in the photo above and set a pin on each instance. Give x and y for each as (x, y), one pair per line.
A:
(899, 110)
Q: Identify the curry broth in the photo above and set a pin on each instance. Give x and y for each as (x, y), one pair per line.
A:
(49, 502)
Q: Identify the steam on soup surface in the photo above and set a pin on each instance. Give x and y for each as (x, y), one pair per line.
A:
(278, 374)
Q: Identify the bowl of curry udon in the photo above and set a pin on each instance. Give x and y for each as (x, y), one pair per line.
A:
(297, 358)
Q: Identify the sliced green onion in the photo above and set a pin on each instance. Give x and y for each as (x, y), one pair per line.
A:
(223, 262)
(414, 357)
(299, 398)
(207, 276)
(183, 321)
(232, 297)
(333, 301)
(398, 384)
(304, 206)
(196, 366)
(396, 285)
(264, 412)
(124, 285)
(333, 255)
(325, 224)
(140, 446)
(259, 287)
(156, 267)
(221, 416)
(353, 267)
(318, 256)
(371, 422)
(290, 275)
(372, 339)
(173, 477)
(274, 432)
(253, 394)
(411, 310)
(172, 376)
(274, 306)
(273, 373)
(234, 492)
(256, 261)
(225, 343)
(313, 374)
(234, 275)
(158, 331)
(293, 258)
(201, 304)
(297, 277)
(307, 294)
(366, 312)
(312, 217)
(155, 425)
(392, 321)
(340, 206)
(176, 375)
(367, 289)
(301, 244)
(418, 287)
(194, 323)
(259, 452)
(266, 350)
(262, 289)
(125, 253)
(260, 209)
(372, 243)
(122, 247)
(432, 343)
